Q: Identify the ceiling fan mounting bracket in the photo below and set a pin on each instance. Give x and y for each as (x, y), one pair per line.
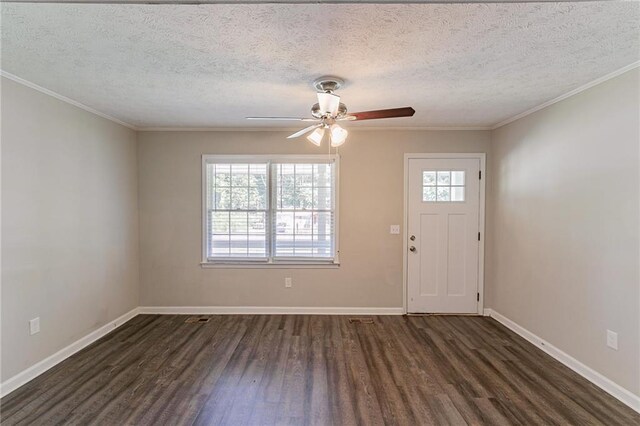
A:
(328, 84)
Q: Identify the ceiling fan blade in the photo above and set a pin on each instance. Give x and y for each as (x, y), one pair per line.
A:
(383, 113)
(305, 130)
(329, 103)
(282, 118)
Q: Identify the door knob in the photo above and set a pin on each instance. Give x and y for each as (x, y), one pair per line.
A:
(412, 248)
(412, 238)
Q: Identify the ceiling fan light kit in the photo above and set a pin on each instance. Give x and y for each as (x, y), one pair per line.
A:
(316, 136)
(329, 110)
(338, 135)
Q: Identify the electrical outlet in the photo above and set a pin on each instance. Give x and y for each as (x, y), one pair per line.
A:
(612, 339)
(287, 282)
(394, 229)
(34, 326)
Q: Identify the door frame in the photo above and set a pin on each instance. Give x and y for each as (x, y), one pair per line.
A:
(481, 219)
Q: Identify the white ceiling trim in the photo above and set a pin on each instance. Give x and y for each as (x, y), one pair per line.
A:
(293, 129)
(271, 129)
(64, 99)
(200, 2)
(204, 129)
(568, 94)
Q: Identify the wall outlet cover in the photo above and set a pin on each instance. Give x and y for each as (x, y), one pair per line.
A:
(612, 339)
(287, 282)
(394, 229)
(34, 326)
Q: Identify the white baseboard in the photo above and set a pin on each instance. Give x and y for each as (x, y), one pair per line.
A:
(625, 396)
(266, 310)
(35, 370)
(32, 372)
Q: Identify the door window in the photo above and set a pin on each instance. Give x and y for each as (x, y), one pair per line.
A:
(443, 186)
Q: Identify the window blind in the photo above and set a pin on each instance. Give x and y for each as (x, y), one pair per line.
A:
(270, 210)
(304, 210)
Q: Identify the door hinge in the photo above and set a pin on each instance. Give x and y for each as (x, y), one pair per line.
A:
(478, 236)
(478, 297)
(480, 174)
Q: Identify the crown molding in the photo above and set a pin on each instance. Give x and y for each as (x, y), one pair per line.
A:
(567, 95)
(286, 129)
(201, 2)
(293, 129)
(64, 99)
(215, 129)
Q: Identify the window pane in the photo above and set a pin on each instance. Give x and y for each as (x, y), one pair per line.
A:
(257, 187)
(233, 189)
(284, 223)
(222, 174)
(219, 245)
(309, 231)
(428, 178)
(286, 196)
(284, 238)
(239, 198)
(257, 246)
(238, 222)
(239, 175)
(257, 223)
(257, 198)
(457, 178)
(444, 178)
(323, 223)
(220, 223)
(322, 245)
(429, 193)
(258, 175)
(303, 197)
(303, 246)
(285, 174)
(304, 175)
(322, 198)
(443, 193)
(239, 246)
(322, 175)
(457, 193)
(303, 224)
(222, 198)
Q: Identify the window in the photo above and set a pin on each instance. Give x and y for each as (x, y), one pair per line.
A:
(260, 209)
(443, 186)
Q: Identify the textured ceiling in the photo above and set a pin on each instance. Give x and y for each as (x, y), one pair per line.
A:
(212, 65)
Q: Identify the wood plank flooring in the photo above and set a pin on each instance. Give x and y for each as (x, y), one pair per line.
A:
(312, 369)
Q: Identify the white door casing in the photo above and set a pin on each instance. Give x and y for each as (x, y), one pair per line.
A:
(443, 215)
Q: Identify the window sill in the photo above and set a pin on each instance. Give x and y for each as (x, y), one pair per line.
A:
(278, 265)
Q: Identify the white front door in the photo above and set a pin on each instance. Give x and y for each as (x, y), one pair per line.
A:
(443, 235)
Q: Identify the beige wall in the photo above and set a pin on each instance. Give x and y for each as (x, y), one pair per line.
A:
(563, 240)
(69, 224)
(371, 199)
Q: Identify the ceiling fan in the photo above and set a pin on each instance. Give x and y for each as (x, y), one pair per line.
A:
(329, 110)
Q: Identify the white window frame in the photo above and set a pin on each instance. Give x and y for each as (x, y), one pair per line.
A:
(271, 262)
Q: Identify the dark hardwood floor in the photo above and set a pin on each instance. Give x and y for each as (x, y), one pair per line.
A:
(309, 369)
